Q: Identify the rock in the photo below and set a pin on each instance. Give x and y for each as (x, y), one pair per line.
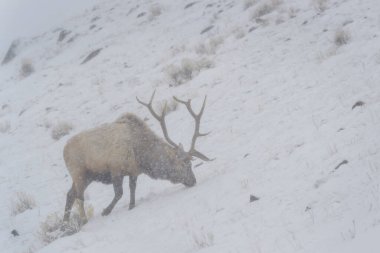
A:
(253, 198)
(15, 233)
(11, 53)
(359, 103)
(91, 55)
(62, 35)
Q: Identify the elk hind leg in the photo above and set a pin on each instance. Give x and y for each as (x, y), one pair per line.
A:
(71, 195)
(80, 187)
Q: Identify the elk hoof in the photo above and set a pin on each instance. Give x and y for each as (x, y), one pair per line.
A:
(106, 212)
(83, 221)
(131, 206)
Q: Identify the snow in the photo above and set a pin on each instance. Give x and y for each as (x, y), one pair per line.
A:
(23, 18)
(279, 108)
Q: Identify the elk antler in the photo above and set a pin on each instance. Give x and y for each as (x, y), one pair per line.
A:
(197, 117)
(161, 118)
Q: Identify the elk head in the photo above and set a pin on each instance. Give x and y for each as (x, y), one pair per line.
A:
(180, 167)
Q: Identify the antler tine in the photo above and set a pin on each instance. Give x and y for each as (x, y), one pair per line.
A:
(160, 119)
(150, 106)
(188, 106)
(197, 134)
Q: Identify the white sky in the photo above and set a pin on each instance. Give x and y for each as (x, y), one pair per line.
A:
(26, 18)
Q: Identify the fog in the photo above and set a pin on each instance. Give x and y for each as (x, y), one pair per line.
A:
(26, 18)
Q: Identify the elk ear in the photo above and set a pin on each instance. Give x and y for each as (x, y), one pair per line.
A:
(182, 153)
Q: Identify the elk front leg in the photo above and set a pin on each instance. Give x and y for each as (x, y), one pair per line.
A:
(118, 188)
(132, 190)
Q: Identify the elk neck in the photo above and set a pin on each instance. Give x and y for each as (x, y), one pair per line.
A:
(158, 159)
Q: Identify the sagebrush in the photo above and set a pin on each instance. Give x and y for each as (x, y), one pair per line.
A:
(179, 74)
(341, 37)
(154, 11)
(265, 8)
(249, 3)
(27, 68)
(22, 202)
(210, 46)
(203, 239)
(61, 129)
(54, 227)
(320, 5)
(171, 105)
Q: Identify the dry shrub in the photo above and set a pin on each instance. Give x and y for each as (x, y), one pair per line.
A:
(188, 68)
(54, 227)
(174, 74)
(60, 130)
(265, 8)
(341, 37)
(5, 126)
(320, 5)
(171, 105)
(155, 11)
(239, 33)
(26, 68)
(30, 249)
(22, 202)
(249, 3)
(47, 124)
(210, 46)
(175, 50)
(203, 239)
(322, 56)
(292, 12)
(179, 74)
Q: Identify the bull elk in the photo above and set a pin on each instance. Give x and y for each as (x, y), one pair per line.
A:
(128, 147)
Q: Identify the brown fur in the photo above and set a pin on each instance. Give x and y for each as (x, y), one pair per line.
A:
(126, 147)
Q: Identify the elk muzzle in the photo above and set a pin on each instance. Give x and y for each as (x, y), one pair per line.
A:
(190, 180)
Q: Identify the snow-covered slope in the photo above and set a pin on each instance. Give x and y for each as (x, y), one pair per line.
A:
(282, 79)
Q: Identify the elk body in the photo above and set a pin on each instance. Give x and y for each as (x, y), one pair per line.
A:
(127, 147)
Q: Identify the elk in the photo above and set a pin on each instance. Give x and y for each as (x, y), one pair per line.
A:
(128, 147)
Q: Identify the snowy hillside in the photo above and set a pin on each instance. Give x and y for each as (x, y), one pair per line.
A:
(293, 106)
